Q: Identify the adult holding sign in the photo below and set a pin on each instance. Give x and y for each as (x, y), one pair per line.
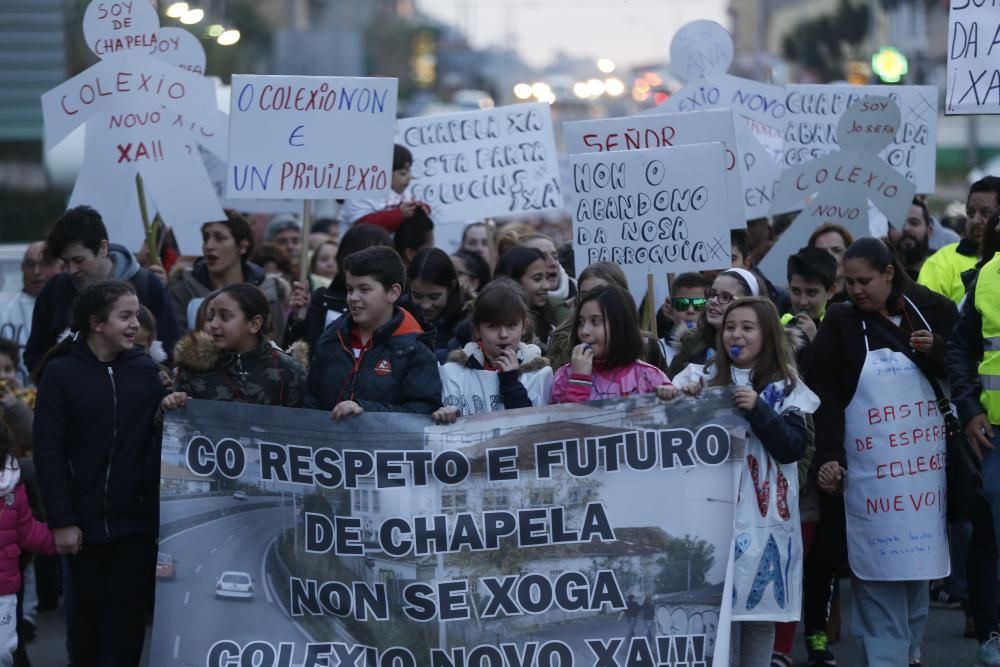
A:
(880, 440)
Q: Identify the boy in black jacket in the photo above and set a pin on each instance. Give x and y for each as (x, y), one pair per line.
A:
(378, 358)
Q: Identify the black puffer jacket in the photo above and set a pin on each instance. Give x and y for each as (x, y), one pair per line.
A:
(96, 455)
(397, 372)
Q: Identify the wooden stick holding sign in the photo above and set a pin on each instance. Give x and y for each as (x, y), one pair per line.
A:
(304, 247)
(649, 306)
(148, 228)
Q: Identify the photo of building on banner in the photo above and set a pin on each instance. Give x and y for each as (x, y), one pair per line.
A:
(480, 164)
(652, 212)
(552, 535)
(663, 131)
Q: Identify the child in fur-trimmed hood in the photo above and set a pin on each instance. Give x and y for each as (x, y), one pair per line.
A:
(497, 371)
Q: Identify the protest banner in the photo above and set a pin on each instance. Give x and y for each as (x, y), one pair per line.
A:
(700, 54)
(479, 164)
(310, 137)
(665, 130)
(146, 108)
(973, 67)
(654, 210)
(813, 111)
(838, 187)
(545, 536)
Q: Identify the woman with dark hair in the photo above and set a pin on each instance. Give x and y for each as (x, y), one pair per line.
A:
(835, 239)
(433, 293)
(234, 360)
(874, 363)
(226, 248)
(473, 272)
(328, 304)
(529, 267)
(98, 464)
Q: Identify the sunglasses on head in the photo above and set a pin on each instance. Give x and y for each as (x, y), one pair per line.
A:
(683, 303)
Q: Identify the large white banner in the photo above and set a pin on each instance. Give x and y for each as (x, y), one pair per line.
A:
(973, 62)
(310, 137)
(656, 210)
(813, 111)
(479, 164)
(664, 130)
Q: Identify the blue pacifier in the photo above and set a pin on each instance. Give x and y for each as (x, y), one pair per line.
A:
(735, 350)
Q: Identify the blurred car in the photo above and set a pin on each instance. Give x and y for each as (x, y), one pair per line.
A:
(237, 585)
(166, 566)
(239, 495)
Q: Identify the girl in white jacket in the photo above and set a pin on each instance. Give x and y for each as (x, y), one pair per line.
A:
(496, 371)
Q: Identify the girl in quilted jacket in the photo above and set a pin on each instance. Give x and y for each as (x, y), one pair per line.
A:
(19, 531)
(607, 346)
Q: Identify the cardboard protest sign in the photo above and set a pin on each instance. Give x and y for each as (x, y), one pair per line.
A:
(701, 53)
(973, 66)
(542, 532)
(838, 187)
(655, 210)
(478, 164)
(813, 112)
(310, 137)
(146, 109)
(665, 130)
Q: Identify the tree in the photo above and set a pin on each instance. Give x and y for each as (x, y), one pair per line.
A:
(685, 566)
(819, 44)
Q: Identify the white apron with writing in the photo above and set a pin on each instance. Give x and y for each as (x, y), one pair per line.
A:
(894, 438)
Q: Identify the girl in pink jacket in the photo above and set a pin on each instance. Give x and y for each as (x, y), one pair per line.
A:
(607, 345)
(19, 531)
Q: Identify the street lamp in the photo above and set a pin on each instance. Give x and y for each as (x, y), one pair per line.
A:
(606, 65)
(522, 91)
(177, 10)
(229, 37)
(192, 16)
(580, 90)
(595, 87)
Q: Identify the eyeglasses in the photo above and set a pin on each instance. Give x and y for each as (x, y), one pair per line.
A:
(722, 297)
(682, 303)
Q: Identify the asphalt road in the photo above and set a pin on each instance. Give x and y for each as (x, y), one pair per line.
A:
(237, 542)
(173, 510)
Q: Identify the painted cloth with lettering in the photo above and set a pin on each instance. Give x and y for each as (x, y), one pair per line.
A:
(767, 546)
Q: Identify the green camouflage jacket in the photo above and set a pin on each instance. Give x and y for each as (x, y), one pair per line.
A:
(265, 376)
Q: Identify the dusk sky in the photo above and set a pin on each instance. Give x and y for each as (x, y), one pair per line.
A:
(626, 31)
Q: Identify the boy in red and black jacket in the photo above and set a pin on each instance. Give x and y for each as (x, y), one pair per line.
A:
(378, 358)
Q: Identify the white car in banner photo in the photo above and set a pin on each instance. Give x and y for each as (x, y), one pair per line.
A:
(236, 585)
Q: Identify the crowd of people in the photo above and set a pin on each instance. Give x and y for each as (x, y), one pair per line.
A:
(98, 347)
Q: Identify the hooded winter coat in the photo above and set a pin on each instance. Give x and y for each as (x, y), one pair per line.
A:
(466, 383)
(263, 376)
(396, 372)
(97, 459)
(19, 530)
(195, 283)
(52, 308)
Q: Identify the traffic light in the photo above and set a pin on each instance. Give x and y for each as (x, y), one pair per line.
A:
(889, 64)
